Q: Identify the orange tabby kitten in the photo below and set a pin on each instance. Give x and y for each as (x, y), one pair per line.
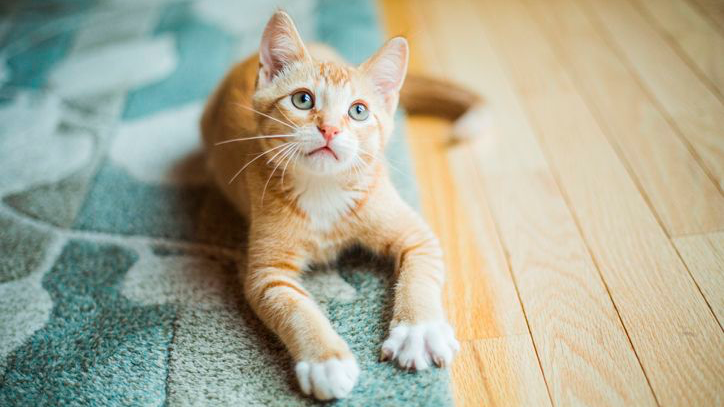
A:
(303, 137)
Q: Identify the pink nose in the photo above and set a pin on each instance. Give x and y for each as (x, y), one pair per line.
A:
(329, 132)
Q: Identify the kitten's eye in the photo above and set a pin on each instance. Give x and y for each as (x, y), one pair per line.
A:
(358, 111)
(303, 100)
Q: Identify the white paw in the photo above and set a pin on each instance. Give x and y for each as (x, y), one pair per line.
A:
(333, 378)
(418, 346)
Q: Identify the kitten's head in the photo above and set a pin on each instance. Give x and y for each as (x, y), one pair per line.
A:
(337, 117)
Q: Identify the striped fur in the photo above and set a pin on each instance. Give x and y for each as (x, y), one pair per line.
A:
(305, 207)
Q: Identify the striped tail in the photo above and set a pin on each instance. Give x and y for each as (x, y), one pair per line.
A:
(437, 97)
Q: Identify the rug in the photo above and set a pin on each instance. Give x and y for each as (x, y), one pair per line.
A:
(118, 259)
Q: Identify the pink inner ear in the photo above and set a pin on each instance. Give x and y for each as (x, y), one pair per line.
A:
(388, 67)
(280, 46)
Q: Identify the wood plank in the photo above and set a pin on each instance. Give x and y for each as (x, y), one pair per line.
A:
(693, 35)
(704, 256)
(492, 372)
(712, 9)
(583, 348)
(684, 197)
(480, 295)
(581, 343)
(670, 325)
(690, 105)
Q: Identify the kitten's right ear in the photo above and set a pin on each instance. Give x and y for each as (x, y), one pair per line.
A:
(281, 45)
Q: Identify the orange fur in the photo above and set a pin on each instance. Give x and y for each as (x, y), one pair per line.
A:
(305, 207)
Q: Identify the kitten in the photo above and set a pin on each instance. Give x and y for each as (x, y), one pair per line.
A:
(302, 137)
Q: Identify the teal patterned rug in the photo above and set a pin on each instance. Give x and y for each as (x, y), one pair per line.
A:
(118, 281)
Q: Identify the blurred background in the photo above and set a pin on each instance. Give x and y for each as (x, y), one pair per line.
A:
(583, 232)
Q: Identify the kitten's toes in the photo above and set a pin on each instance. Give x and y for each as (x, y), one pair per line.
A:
(420, 345)
(333, 378)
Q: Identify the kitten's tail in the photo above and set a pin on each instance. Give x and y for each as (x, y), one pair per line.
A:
(437, 97)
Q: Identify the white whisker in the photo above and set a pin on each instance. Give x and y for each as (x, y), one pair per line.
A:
(291, 157)
(254, 138)
(360, 164)
(254, 159)
(356, 170)
(282, 151)
(291, 144)
(387, 161)
(264, 114)
(285, 116)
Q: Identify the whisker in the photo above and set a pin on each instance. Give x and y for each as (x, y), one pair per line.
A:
(284, 151)
(359, 164)
(253, 138)
(360, 168)
(389, 164)
(399, 171)
(291, 157)
(288, 158)
(285, 116)
(280, 152)
(265, 115)
(254, 159)
(356, 170)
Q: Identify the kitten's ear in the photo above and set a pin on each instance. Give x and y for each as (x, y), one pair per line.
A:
(281, 45)
(387, 67)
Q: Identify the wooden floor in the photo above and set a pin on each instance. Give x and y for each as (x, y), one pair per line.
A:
(585, 232)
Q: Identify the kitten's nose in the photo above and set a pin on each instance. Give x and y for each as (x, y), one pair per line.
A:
(329, 132)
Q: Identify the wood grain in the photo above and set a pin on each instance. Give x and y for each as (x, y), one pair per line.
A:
(704, 256)
(498, 372)
(583, 348)
(670, 325)
(480, 295)
(713, 10)
(481, 299)
(560, 195)
(685, 199)
(691, 34)
(691, 106)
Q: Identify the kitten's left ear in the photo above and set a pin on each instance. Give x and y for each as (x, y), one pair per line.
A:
(281, 45)
(387, 68)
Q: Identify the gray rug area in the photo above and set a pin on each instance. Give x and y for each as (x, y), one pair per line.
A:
(118, 282)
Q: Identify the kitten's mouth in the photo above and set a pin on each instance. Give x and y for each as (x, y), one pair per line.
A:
(324, 150)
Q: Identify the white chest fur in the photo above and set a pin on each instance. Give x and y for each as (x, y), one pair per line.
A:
(325, 201)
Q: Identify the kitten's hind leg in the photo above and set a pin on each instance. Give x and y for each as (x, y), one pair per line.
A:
(325, 367)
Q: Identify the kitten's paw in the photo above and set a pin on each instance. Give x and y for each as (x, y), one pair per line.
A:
(333, 378)
(418, 346)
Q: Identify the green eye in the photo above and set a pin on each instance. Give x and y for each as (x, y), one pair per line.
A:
(358, 111)
(303, 100)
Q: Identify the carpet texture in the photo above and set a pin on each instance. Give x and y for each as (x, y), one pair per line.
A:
(118, 260)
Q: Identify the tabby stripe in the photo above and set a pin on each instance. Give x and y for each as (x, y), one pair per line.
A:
(405, 251)
(281, 265)
(361, 203)
(282, 283)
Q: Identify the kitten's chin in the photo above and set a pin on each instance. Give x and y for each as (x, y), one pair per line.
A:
(325, 163)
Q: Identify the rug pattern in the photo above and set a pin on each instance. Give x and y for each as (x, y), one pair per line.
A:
(118, 282)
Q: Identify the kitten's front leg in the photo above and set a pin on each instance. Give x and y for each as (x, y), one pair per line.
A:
(419, 332)
(325, 367)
